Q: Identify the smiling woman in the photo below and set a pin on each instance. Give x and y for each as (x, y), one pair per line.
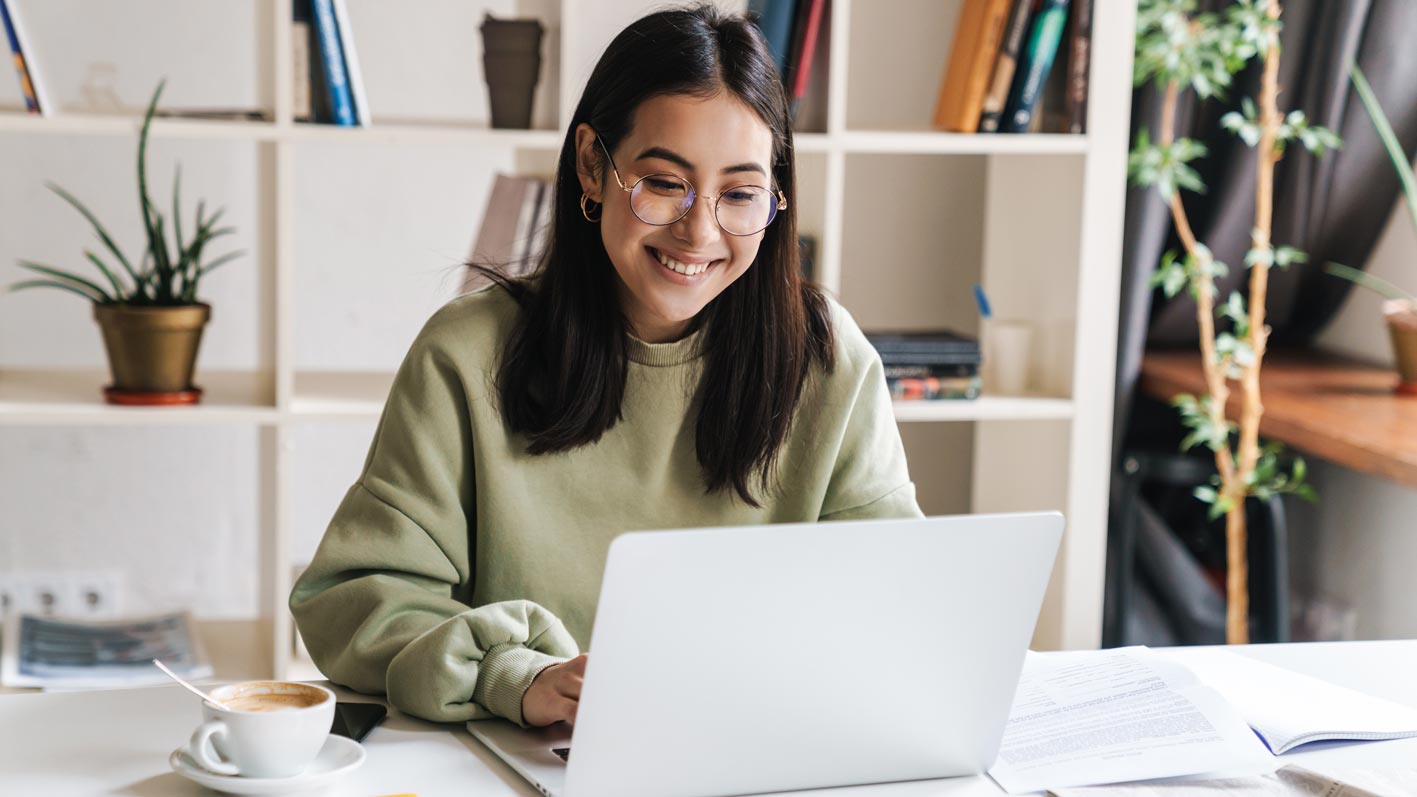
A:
(665, 366)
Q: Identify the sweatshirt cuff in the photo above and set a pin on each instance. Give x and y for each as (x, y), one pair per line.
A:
(505, 675)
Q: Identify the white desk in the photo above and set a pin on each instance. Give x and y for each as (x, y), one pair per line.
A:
(117, 743)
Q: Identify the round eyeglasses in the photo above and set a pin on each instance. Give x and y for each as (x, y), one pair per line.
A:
(661, 199)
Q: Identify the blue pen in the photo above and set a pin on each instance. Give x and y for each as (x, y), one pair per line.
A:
(981, 300)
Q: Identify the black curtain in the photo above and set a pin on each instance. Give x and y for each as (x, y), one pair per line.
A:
(1333, 208)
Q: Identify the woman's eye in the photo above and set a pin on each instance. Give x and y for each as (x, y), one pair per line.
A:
(662, 186)
(740, 196)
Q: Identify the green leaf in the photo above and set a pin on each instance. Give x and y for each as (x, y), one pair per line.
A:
(99, 294)
(1365, 280)
(118, 292)
(1394, 148)
(1285, 255)
(27, 284)
(150, 226)
(98, 228)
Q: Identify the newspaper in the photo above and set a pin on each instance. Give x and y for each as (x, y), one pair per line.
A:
(59, 653)
(1288, 781)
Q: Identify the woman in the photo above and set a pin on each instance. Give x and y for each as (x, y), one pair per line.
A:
(665, 367)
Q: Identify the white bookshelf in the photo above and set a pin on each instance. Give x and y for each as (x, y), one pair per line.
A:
(1042, 216)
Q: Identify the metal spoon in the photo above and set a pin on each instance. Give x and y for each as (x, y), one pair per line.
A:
(194, 690)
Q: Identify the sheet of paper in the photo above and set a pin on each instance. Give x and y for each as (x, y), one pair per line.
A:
(1093, 717)
(1287, 708)
(1290, 781)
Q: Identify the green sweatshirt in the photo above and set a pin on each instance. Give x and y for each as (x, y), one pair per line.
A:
(459, 566)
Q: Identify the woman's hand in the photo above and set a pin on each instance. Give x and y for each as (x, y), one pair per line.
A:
(555, 694)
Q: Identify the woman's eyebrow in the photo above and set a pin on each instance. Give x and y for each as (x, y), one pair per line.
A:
(679, 160)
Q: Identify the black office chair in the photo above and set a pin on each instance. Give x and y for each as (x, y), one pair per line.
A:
(1153, 577)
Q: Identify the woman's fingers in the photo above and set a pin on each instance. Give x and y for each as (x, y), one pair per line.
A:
(570, 686)
(566, 709)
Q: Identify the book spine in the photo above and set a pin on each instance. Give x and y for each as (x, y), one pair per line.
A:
(332, 59)
(802, 64)
(302, 108)
(978, 34)
(1028, 82)
(35, 102)
(1079, 56)
(775, 21)
(1004, 66)
(933, 389)
(353, 73)
(937, 371)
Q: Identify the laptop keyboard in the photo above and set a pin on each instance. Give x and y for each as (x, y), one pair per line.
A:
(564, 753)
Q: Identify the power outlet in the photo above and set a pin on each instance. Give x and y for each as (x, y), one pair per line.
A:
(74, 593)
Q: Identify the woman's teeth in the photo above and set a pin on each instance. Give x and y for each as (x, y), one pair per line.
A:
(688, 270)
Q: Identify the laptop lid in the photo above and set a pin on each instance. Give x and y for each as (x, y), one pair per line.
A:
(769, 658)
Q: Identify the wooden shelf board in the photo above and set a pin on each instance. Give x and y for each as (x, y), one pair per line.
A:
(985, 408)
(1331, 408)
(75, 397)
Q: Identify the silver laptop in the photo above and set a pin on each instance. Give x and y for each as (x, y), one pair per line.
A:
(772, 658)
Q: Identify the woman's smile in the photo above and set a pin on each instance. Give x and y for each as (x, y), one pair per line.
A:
(682, 269)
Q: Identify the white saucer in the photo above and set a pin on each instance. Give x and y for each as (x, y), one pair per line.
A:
(338, 756)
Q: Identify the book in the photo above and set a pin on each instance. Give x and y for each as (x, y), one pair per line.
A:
(63, 653)
(1033, 70)
(1287, 709)
(1079, 54)
(804, 46)
(506, 225)
(1004, 66)
(929, 370)
(22, 53)
(301, 102)
(774, 19)
(353, 73)
(979, 30)
(942, 342)
(932, 388)
(331, 58)
(1290, 780)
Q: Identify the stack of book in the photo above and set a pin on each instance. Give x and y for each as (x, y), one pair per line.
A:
(928, 365)
(999, 65)
(329, 86)
(791, 28)
(514, 226)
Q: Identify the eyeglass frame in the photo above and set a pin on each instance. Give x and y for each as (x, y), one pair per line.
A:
(781, 197)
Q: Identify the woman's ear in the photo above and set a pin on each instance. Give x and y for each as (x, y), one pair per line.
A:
(589, 161)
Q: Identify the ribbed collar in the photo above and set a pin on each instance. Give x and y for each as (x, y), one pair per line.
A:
(658, 355)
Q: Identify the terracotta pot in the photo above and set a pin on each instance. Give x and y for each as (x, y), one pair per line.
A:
(1402, 326)
(152, 349)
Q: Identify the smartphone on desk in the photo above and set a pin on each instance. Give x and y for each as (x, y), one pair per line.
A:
(356, 720)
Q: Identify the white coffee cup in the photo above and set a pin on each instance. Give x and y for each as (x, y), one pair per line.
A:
(274, 730)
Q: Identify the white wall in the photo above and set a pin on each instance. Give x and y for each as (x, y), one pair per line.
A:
(1357, 544)
(380, 231)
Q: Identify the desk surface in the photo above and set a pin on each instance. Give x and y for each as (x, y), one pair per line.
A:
(1335, 409)
(117, 742)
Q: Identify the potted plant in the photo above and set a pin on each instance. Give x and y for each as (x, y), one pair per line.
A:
(1200, 52)
(1400, 309)
(152, 320)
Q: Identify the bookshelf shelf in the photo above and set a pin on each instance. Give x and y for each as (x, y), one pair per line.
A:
(985, 408)
(38, 397)
(933, 143)
(906, 219)
(126, 124)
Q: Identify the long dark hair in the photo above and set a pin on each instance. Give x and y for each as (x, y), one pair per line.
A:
(562, 376)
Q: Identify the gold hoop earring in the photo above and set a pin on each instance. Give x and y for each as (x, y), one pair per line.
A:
(586, 211)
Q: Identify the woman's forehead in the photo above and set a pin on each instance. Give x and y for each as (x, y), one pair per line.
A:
(712, 133)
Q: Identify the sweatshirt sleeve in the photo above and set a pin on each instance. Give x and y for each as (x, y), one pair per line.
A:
(870, 478)
(378, 607)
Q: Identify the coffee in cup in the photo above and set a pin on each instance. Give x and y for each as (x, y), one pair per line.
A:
(269, 729)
